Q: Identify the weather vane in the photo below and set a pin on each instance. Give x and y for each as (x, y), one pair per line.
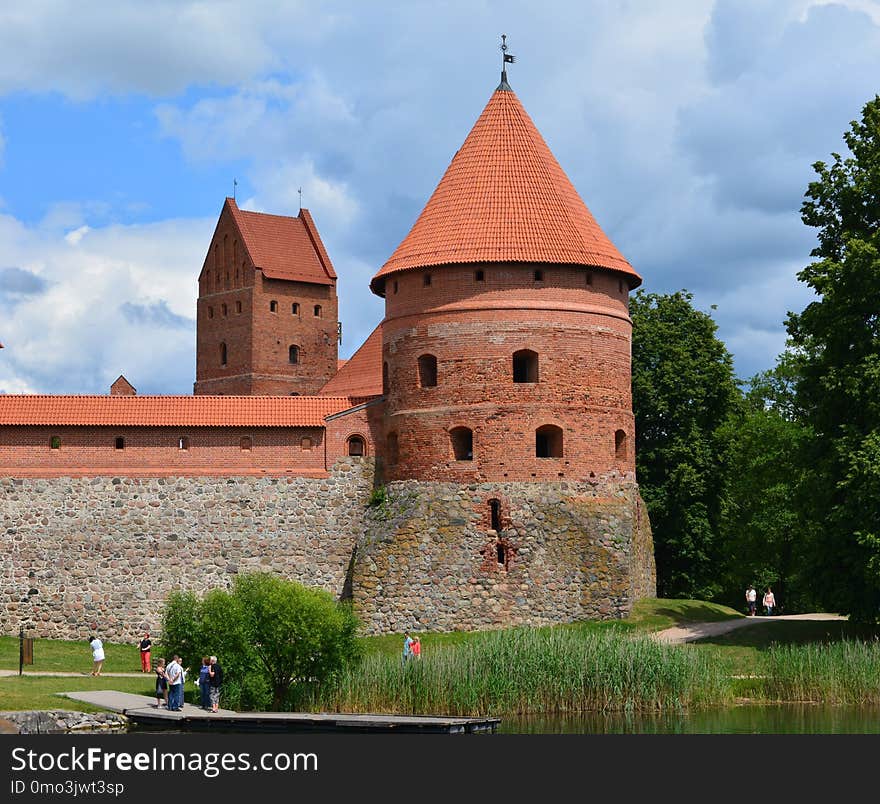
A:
(234, 185)
(506, 58)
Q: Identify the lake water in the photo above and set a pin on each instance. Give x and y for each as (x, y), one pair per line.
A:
(772, 719)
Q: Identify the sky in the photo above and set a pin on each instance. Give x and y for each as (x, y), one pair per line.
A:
(689, 127)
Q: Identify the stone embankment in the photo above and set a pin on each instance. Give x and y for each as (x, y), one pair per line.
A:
(60, 721)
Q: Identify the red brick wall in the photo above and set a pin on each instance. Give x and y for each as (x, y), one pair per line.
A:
(258, 340)
(154, 451)
(582, 334)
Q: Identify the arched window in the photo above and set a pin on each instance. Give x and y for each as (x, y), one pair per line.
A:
(223, 309)
(495, 515)
(294, 308)
(317, 311)
(217, 258)
(226, 250)
(384, 378)
(273, 306)
(479, 276)
(238, 307)
(620, 445)
(235, 254)
(228, 281)
(356, 446)
(210, 312)
(501, 553)
(462, 440)
(392, 448)
(183, 443)
(525, 366)
(222, 354)
(548, 441)
(395, 286)
(293, 354)
(427, 371)
(120, 442)
(427, 280)
(246, 443)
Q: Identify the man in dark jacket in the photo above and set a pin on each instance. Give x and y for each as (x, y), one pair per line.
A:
(215, 680)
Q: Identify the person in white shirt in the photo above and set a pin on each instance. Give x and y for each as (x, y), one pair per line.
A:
(97, 655)
(751, 600)
(174, 674)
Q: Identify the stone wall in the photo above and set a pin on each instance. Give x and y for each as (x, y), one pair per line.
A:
(81, 552)
(565, 551)
(84, 554)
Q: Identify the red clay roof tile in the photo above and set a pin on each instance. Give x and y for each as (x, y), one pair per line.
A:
(362, 373)
(504, 198)
(172, 411)
(283, 247)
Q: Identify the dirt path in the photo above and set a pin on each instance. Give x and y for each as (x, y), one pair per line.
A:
(688, 633)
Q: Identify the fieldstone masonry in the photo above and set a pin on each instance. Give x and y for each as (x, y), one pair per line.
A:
(571, 551)
(80, 552)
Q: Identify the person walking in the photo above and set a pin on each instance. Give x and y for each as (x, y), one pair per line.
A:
(769, 602)
(174, 674)
(161, 684)
(97, 655)
(407, 647)
(145, 645)
(204, 692)
(751, 599)
(215, 681)
(417, 647)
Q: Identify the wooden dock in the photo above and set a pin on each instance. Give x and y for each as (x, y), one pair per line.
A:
(142, 711)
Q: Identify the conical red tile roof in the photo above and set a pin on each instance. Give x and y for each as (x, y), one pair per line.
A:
(504, 198)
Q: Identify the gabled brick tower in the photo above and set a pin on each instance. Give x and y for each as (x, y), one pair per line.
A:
(508, 415)
(267, 312)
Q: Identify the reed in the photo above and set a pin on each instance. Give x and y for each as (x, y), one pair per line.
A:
(843, 672)
(522, 671)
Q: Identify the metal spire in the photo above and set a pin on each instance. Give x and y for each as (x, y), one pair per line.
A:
(506, 58)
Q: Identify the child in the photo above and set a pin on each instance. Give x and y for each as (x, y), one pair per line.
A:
(161, 684)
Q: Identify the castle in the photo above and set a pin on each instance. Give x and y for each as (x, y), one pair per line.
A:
(471, 466)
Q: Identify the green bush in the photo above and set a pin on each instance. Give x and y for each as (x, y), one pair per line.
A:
(270, 635)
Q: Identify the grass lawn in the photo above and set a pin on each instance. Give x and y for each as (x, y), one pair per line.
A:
(17, 693)
(58, 655)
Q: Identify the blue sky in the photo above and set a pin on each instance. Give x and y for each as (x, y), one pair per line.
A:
(688, 127)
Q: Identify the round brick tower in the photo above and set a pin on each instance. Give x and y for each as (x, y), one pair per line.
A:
(506, 339)
(510, 494)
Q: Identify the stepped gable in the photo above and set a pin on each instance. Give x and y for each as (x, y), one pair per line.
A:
(172, 411)
(504, 198)
(361, 375)
(283, 247)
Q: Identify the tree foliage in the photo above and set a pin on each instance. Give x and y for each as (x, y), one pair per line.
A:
(275, 638)
(684, 391)
(837, 341)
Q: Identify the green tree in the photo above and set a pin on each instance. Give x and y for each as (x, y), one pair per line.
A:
(277, 640)
(762, 527)
(684, 390)
(837, 340)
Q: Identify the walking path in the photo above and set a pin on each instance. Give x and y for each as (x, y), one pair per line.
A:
(692, 631)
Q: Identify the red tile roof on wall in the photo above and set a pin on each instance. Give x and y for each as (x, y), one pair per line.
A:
(362, 374)
(172, 411)
(504, 198)
(283, 247)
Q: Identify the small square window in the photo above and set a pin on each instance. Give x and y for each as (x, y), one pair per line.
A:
(479, 276)
(55, 442)
(120, 442)
(246, 443)
(539, 276)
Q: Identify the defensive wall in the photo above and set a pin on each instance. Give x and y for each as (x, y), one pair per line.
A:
(81, 552)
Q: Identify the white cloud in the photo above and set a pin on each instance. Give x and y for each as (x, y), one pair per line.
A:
(79, 333)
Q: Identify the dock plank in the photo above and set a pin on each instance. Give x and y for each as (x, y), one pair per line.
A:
(142, 710)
